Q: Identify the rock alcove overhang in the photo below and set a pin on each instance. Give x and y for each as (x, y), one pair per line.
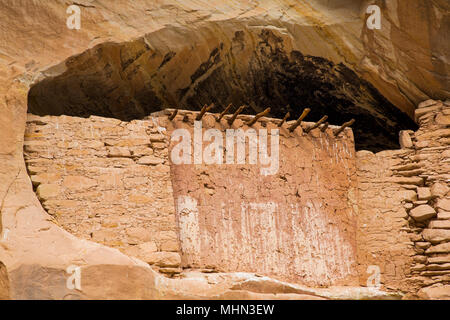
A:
(177, 68)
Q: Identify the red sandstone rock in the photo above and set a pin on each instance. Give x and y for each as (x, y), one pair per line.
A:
(443, 204)
(439, 189)
(440, 248)
(443, 215)
(405, 140)
(439, 224)
(4, 283)
(423, 193)
(436, 235)
(118, 152)
(426, 103)
(163, 259)
(150, 160)
(439, 259)
(436, 292)
(422, 213)
(48, 191)
(78, 183)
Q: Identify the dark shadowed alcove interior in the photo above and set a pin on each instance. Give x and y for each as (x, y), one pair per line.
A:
(130, 80)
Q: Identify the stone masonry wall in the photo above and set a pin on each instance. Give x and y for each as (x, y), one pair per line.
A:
(107, 181)
(298, 224)
(404, 207)
(383, 232)
(430, 215)
(325, 217)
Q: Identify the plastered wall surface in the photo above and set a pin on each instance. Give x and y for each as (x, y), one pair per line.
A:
(296, 224)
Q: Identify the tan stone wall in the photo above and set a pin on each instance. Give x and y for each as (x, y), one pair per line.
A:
(383, 234)
(107, 181)
(404, 207)
(298, 224)
(4, 283)
(431, 214)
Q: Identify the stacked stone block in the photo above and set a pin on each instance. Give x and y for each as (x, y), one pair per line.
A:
(429, 215)
(110, 181)
(107, 181)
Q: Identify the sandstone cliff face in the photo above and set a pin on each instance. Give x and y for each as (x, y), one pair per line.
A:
(400, 65)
